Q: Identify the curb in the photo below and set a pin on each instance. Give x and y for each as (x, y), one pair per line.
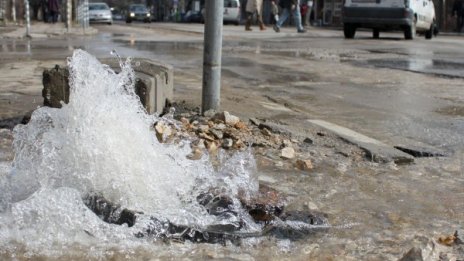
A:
(375, 149)
(46, 31)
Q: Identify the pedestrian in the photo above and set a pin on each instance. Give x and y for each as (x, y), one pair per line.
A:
(44, 8)
(274, 11)
(307, 10)
(458, 10)
(54, 9)
(303, 11)
(35, 4)
(252, 7)
(287, 7)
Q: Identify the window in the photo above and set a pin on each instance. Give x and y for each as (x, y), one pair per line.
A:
(138, 8)
(230, 3)
(96, 7)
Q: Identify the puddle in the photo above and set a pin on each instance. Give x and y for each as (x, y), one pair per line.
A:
(457, 111)
(248, 69)
(429, 66)
(15, 47)
(402, 51)
(164, 46)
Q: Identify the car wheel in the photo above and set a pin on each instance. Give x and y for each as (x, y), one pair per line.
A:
(410, 31)
(432, 32)
(349, 31)
(429, 33)
(128, 21)
(435, 30)
(376, 33)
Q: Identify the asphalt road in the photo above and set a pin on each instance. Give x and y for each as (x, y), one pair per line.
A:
(396, 91)
(400, 92)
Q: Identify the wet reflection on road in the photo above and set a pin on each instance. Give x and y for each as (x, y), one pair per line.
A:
(428, 66)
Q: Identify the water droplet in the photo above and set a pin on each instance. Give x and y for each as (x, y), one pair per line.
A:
(137, 63)
(115, 53)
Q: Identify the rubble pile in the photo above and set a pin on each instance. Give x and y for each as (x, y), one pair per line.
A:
(222, 130)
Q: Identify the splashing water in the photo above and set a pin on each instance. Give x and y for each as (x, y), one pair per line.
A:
(101, 142)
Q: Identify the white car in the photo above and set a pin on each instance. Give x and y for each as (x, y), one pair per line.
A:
(231, 11)
(100, 13)
(409, 16)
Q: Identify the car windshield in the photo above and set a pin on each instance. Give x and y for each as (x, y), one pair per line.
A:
(98, 7)
(230, 3)
(138, 8)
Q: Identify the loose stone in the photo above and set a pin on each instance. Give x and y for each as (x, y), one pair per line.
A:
(304, 164)
(216, 133)
(227, 143)
(231, 119)
(241, 125)
(203, 128)
(195, 154)
(287, 153)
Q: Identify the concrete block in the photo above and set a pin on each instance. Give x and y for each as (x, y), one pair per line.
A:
(154, 83)
(55, 86)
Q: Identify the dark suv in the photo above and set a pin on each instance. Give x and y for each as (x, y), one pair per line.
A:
(138, 12)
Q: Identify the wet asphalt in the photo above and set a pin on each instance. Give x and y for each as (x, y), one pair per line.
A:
(400, 92)
(404, 93)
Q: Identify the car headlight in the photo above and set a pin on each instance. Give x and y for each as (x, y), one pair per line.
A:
(148, 15)
(132, 14)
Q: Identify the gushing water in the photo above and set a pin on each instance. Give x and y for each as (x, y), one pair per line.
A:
(101, 142)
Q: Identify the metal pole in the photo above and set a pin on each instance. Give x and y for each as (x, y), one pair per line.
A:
(68, 15)
(212, 55)
(28, 19)
(13, 10)
(86, 14)
(80, 13)
(2, 12)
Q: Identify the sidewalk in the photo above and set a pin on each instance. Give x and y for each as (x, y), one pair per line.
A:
(44, 30)
(234, 31)
(48, 30)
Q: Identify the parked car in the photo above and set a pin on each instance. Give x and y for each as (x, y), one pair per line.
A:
(193, 17)
(116, 14)
(138, 12)
(100, 13)
(232, 11)
(409, 16)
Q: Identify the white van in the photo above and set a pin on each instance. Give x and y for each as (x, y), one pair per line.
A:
(409, 16)
(232, 11)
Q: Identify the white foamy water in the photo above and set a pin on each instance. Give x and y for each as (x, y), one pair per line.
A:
(102, 142)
